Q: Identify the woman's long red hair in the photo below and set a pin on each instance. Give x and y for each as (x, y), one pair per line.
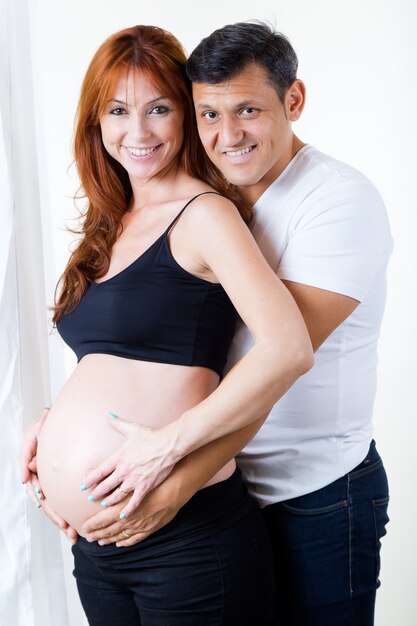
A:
(159, 56)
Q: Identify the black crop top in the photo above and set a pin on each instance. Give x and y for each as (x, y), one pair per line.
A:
(154, 310)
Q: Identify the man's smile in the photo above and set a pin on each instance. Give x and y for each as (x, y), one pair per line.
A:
(238, 153)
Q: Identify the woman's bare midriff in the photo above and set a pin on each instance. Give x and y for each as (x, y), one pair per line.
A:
(77, 435)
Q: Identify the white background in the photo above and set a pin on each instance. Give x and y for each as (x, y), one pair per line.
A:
(357, 60)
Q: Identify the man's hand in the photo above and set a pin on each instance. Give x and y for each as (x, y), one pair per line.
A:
(155, 511)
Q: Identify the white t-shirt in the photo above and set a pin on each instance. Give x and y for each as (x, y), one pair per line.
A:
(321, 223)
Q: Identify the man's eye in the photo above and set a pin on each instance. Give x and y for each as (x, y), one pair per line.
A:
(210, 115)
(248, 110)
(118, 111)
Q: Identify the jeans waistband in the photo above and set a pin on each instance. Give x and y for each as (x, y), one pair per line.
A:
(372, 460)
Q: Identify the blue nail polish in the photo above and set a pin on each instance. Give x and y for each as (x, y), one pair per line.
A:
(39, 495)
(91, 498)
(112, 416)
(37, 489)
(83, 487)
(122, 515)
(103, 503)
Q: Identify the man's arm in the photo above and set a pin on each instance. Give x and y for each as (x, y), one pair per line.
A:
(323, 311)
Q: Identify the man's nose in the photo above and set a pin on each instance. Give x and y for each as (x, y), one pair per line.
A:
(231, 134)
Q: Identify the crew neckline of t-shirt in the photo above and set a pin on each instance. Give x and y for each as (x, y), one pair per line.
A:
(283, 174)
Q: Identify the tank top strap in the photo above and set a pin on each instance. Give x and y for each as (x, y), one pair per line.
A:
(177, 217)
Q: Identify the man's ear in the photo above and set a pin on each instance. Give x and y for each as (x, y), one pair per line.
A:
(295, 100)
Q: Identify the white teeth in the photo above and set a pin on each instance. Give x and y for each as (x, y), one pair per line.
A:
(236, 153)
(140, 151)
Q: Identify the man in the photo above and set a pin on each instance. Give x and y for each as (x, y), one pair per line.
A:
(323, 228)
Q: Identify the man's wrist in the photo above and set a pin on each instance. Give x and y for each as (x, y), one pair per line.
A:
(180, 485)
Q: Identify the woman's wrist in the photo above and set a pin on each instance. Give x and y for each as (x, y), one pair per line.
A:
(180, 439)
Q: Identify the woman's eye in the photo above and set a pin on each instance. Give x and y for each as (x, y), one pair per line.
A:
(118, 111)
(159, 110)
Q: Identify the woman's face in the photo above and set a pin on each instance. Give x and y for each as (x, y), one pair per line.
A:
(142, 128)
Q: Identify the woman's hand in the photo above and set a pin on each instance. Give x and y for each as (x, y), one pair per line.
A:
(28, 451)
(35, 493)
(143, 462)
(155, 511)
(29, 474)
(69, 532)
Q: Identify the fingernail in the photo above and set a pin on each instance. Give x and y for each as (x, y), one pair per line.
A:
(91, 498)
(38, 506)
(83, 487)
(122, 515)
(112, 416)
(101, 543)
(103, 503)
(39, 495)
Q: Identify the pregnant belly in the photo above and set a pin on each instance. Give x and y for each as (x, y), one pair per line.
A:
(77, 435)
(72, 441)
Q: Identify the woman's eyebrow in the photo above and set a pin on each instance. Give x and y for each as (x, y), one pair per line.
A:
(118, 101)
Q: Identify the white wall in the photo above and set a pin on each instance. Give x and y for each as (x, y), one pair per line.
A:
(357, 59)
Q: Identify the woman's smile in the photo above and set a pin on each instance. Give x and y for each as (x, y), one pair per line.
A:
(142, 154)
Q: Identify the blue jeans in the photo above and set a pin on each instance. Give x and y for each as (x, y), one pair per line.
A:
(327, 549)
(210, 566)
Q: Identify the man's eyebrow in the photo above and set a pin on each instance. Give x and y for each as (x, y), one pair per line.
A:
(246, 103)
(238, 105)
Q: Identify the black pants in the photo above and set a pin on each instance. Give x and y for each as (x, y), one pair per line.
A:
(210, 566)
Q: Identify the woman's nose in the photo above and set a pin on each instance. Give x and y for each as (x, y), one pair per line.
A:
(139, 129)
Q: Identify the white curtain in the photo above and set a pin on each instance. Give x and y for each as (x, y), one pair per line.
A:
(32, 589)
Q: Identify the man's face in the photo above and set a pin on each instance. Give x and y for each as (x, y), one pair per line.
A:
(245, 129)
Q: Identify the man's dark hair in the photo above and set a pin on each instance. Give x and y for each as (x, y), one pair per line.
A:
(226, 52)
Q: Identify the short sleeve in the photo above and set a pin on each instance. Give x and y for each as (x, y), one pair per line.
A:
(338, 239)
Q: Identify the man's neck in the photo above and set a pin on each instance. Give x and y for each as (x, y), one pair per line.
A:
(252, 193)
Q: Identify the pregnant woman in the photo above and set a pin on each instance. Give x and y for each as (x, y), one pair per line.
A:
(148, 303)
